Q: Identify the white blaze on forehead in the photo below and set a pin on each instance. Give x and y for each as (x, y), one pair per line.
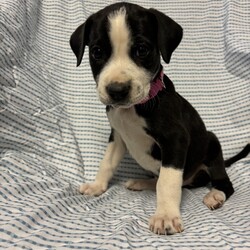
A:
(120, 67)
(119, 33)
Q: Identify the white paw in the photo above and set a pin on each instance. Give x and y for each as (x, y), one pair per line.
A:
(214, 199)
(93, 189)
(164, 224)
(134, 185)
(141, 184)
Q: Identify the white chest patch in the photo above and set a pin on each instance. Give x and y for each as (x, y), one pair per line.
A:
(131, 129)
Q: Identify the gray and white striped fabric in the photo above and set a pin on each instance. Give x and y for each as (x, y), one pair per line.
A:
(53, 129)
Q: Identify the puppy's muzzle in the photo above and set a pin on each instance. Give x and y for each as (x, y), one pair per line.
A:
(119, 91)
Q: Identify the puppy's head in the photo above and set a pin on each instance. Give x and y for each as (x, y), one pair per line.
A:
(125, 42)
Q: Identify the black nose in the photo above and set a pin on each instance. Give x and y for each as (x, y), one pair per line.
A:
(118, 91)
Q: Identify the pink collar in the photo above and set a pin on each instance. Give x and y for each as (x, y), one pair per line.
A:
(156, 85)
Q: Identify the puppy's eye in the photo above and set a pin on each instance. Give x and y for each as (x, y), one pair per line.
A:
(141, 51)
(96, 53)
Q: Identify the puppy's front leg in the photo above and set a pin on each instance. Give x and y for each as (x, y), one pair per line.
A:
(113, 155)
(167, 218)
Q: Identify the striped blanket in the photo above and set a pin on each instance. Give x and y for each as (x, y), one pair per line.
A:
(53, 130)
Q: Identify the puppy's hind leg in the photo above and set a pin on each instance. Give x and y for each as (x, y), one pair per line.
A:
(141, 184)
(222, 187)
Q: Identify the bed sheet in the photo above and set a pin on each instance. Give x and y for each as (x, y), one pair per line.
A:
(53, 130)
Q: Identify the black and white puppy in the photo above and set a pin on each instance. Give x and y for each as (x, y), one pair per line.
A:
(158, 127)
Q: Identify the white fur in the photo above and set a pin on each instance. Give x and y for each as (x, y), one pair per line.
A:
(130, 127)
(120, 68)
(214, 199)
(141, 184)
(129, 135)
(130, 131)
(167, 218)
(113, 155)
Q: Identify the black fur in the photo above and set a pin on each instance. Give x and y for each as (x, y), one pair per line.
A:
(181, 136)
(240, 155)
(163, 40)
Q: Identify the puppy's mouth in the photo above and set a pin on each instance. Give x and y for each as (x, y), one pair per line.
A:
(140, 98)
(128, 97)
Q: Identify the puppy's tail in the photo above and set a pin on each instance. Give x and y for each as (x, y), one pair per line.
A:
(243, 153)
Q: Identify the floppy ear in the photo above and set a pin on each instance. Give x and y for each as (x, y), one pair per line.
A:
(79, 39)
(169, 34)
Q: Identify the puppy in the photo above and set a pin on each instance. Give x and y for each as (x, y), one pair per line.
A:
(148, 118)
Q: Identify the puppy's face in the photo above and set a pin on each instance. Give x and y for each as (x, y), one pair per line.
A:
(125, 61)
(124, 50)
